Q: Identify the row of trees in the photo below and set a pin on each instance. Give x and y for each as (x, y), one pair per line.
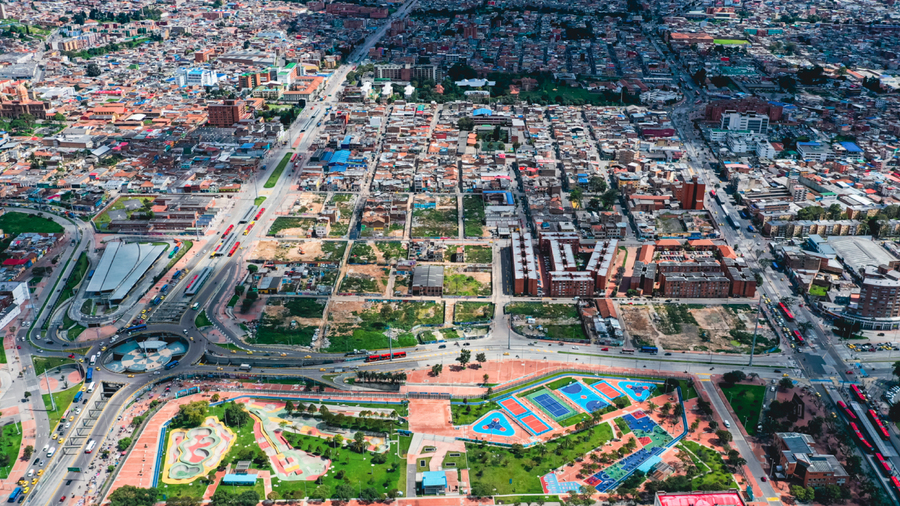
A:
(381, 377)
(367, 420)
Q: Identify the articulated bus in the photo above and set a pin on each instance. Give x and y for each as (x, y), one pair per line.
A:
(799, 338)
(627, 351)
(787, 312)
(386, 356)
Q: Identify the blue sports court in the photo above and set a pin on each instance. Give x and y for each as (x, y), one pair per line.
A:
(583, 397)
(552, 485)
(638, 391)
(494, 423)
(552, 405)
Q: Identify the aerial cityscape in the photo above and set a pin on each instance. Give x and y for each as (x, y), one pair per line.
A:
(432, 252)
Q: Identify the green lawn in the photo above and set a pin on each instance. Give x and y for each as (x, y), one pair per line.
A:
(718, 478)
(258, 200)
(202, 320)
(730, 42)
(268, 333)
(11, 446)
(2, 354)
(369, 334)
(541, 310)
(746, 401)
(354, 468)
(42, 364)
(479, 254)
(339, 229)
(103, 218)
(392, 250)
(818, 291)
(63, 401)
(466, 414)
(498, 468)
(305, 307)
(273, 179)
(13, 224)
(286, 222)
(469, 312)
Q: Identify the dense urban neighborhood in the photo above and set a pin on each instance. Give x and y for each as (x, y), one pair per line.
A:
(423, 252)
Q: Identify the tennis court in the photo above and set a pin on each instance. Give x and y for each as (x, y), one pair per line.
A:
(608, 390)
(586, 399)
(534, 424)
(513, 407)
(551, 405)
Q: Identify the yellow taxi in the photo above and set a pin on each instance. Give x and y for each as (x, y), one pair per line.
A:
(61, 440)
(283, 355)
(308, 356)
(34, 481)
(322, 369)
(40, 472)
(785, 375)
(26, 490)
(72, 418)
(103, 348)
(131, 375)
(506, 354)
(249, 352)
(192, 338)
(219, 369)
(233, 351)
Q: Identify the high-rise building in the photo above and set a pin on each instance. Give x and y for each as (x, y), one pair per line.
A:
(879, 294)
(756, 123)
(691, 194)
(227, 113)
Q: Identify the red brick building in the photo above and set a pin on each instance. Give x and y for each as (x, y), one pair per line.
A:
(227, 113)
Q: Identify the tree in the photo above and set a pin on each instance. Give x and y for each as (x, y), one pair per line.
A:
(464, 357)
(436, 369)
(183, 500)
(129, 495)
(481, 358)
(215, 398)
(236, 415)
(461, 71)
(785, 383)
(700, 77)
(465, 124)
(224, 497)
(894, 413)
(289, 407)
(93, 70)
(192, 414)
(344, 491)
(123, 444)
(651, 406)
(665, 408)
(252, 268)
(723, 435)
(576, 195)
(695, 425)
(734, 377)
(801, 494)
(835, 211)
(28, 452)
(486, 377)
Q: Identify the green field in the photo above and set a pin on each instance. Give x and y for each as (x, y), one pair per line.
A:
(473, 312)
(268, 333)
(473, 216)
(305, 307)
(730, 42)
(718, 478)
(499, 469)
(13, 224)
(435, 223)
(273, 179)
(369, 334)
(42, 364)
(479, 254)
(258, 200)
(746, 401)
(541, 310)
(463, 284)
(202, 320)
(103, 219)
(11, 446)
(286, 222)
(63, 400)
(818, 291)
(2, 354)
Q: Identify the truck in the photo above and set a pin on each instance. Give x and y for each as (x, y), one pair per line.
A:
(246, 367)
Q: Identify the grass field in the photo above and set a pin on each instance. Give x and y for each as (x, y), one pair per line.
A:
(103, 218)
(468, 413)
(273, 179)
(2, 354)
(63, 401)
(258, 200)
(369, 334)
(435, 223)
(42, 364)
(479, 254)
(270, 334)
(14, 223)
(818, 291)
(473, 216)
(462, 284)
(202, 320)
(718, 478)
(11, 446)
(541, 310)
(305, 308)
(746, 401)
(473, 312)
(356, 469)
(730, 42)
(498, 468)
(286, 222)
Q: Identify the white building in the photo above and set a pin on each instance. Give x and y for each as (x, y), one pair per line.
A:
(764, 149)
(196, 77)
(756, 123)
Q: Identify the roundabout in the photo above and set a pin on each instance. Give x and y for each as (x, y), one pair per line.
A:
(145, 353)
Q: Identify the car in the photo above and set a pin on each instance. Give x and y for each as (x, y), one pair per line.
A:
(62, 499)
(219, 369)
(283, 355)
(763, 479)
(308, 356)
(880, 334)
(777, 370)
(604, 349)
(40, 472)
(185, 331)
(41, 463)
(668, 354)
(67, 425)
(233, 351)
(71, 355)
(61, 440)
(849, 372)
(441, 347)
(131, 375)
(506, 354)
(466, 344)
(72, 418)
(249, 352)
(34, 481)
(18, 347)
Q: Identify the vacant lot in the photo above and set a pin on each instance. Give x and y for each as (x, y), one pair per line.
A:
(470, 312)
(694, 327)
(282, 325)
(541, 310)
(365, 279)
(381, 253)
(441, 221)
(459, 282)
(303, 251)
(307, 202)
(286, 226)
(479, 254)
(122, 209)
(367, 326)
(473, 216)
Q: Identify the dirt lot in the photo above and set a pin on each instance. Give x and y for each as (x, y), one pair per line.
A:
(342, 312)
(313, 203)
(287, 251)
(657, 326)
(367, 274)
(283, 314)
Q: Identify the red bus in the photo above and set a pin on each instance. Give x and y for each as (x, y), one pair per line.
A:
(883, 464)
(234, 248)
(294, 157)
(627, 351)
(385, 356)
(787, 312)
(798, 337)
(858, 393)
(847, 410)
(896, 483)
(261, 210)
(227, 230)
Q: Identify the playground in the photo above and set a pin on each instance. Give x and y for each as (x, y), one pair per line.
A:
(494, 423)
(638, 391)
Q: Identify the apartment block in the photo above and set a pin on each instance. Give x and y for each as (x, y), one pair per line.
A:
(525, 268)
